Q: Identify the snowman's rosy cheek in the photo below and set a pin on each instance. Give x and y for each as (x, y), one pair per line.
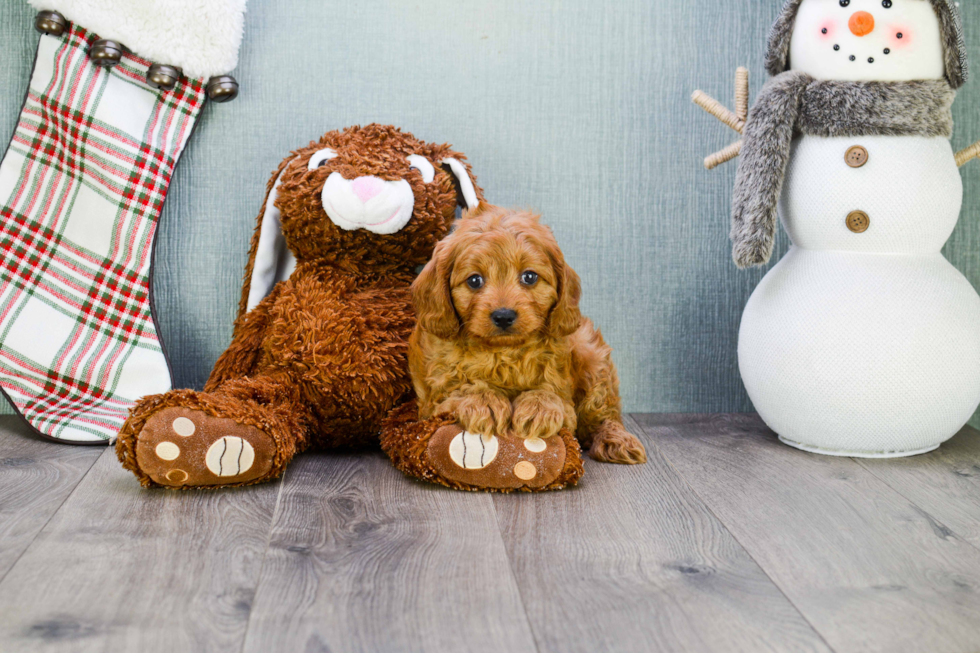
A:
(899, 36)
(828, 29)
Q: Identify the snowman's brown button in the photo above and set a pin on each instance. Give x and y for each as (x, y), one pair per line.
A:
(856, 156)
(858, 221)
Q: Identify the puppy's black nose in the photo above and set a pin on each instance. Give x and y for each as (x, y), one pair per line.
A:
(503, 317)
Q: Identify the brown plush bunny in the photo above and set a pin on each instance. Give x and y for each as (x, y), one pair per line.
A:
(320, 346)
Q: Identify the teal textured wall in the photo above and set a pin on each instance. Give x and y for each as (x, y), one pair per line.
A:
(577, 108)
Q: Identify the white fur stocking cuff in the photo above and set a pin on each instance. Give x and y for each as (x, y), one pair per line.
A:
(200, 36)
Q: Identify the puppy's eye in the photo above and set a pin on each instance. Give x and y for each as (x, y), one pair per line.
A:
(475, 282)
(320, 158)
(422, 164)
(529, 277)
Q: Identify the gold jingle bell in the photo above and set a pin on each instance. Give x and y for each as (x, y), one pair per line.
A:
(162, 76)
(106, 53)
(51, 23)
(222, 88)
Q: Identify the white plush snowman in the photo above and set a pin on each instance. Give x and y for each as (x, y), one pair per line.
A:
(863, 340)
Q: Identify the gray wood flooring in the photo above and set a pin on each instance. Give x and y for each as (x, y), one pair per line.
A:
(725, 541)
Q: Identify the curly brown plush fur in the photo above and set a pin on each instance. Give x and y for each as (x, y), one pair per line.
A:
(324, 358)
(547, 370)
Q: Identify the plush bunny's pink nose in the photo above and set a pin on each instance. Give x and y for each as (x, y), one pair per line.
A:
(367, 187)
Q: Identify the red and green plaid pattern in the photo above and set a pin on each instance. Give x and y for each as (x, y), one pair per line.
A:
(81, 188)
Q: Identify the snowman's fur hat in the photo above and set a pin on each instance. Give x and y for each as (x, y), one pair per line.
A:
(954, 47)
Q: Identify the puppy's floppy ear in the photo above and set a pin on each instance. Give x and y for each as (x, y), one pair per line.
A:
(431, 294)
(565, 317)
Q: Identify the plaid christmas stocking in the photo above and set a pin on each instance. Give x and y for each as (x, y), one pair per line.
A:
(82, 185)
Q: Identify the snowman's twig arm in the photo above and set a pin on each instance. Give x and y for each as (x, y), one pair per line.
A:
(723, 156)
(965, 156)
(742, 93)
(735, 120)
(715, 108)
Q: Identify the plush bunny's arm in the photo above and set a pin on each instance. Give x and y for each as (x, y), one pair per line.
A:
(735, 120)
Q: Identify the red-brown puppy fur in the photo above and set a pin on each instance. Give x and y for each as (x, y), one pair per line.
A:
(550, 368)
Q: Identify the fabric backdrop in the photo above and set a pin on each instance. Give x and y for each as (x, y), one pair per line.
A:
(576, 108)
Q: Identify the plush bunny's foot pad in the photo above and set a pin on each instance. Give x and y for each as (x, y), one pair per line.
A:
(180, 446)
(439, 451)
(175, 440)
(500, 463)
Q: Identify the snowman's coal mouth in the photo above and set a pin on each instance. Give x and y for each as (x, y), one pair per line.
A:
(854, 57)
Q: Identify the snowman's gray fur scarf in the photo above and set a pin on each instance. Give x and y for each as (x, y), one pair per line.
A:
(950, 24)
(793, 103)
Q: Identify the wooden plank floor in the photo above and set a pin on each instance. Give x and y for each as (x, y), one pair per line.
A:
(725, 541)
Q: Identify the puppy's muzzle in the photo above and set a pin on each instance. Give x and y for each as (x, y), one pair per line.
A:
(503, 318)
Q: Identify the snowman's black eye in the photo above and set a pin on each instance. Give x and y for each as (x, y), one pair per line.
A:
(845, 3)
(887, 4)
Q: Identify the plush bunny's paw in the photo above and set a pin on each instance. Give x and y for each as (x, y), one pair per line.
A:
(496, 462)
(181, 447)
(440, 451)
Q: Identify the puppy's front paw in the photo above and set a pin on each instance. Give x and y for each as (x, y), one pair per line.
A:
(485, 413)
(539, 414)
(612, 443)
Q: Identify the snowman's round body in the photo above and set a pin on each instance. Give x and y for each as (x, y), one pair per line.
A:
(863, 340)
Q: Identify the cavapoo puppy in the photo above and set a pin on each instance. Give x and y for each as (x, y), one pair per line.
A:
(500, 343)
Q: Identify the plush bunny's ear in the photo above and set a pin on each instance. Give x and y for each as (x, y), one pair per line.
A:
(469, 191)
(269, 260)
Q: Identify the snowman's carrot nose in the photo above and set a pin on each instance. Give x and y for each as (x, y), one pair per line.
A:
(862, 23)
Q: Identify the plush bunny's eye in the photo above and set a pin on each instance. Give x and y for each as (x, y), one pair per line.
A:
(321, 157)
(422, 164)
